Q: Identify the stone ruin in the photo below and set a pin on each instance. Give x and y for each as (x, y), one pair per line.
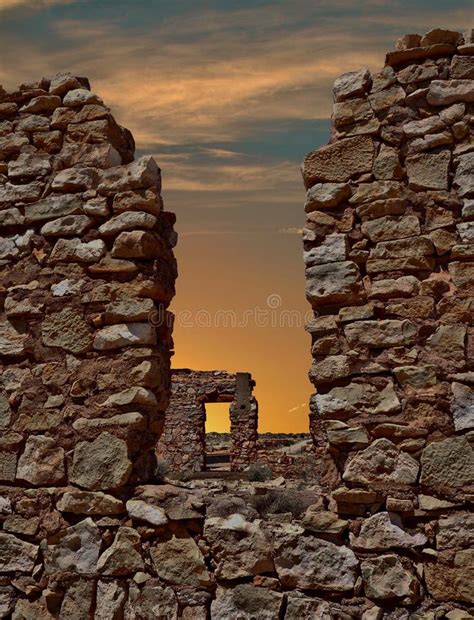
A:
(85, 340)
(182, 446)
(87, 274)
(389, 254)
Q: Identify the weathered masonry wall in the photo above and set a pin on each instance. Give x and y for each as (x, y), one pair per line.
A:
(182, 445)
(389, 253)
(87, 272)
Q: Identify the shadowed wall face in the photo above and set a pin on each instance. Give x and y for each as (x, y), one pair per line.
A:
(389, 259)
(87, 274)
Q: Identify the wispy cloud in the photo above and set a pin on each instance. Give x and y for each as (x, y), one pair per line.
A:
(200, 233)
(297, 407)
(37, 5)
(201, 79)
(290, 231)
(224, 177)
(215, 74)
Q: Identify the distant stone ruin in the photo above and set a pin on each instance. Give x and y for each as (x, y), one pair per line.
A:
(389, 254)
(182, 445)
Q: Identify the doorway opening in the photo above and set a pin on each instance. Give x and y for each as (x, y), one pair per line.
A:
(217, 438)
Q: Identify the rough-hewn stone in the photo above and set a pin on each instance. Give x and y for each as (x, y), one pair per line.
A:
(385, 578)
(178, 561)
(87, 271)
(447, 463)
(442, 92)
(352, 84)
(339, 162)
(240, 547)
(428, 170)
(313, 564)
(42, 462)
(382, 463)
(382, 532)
(68, 330)
(16, 555)
(337, 282)
(77, 549)
(101, 464)
(123, 557)
(85, 502)
(245, 601)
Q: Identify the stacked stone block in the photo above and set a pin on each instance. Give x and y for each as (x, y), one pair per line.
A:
(389, 254)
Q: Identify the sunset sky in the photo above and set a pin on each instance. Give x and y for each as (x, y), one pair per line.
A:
(228, 96)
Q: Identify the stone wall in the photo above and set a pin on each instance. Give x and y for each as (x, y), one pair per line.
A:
(87, 272)
(389, 254)
(182, 446)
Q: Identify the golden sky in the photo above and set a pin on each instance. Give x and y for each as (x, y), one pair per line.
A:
(228, 96)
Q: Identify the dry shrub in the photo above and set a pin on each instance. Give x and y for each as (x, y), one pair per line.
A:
(259, 472)
(280, 501)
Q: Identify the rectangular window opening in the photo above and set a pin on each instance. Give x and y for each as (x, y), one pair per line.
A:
(218, 439)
